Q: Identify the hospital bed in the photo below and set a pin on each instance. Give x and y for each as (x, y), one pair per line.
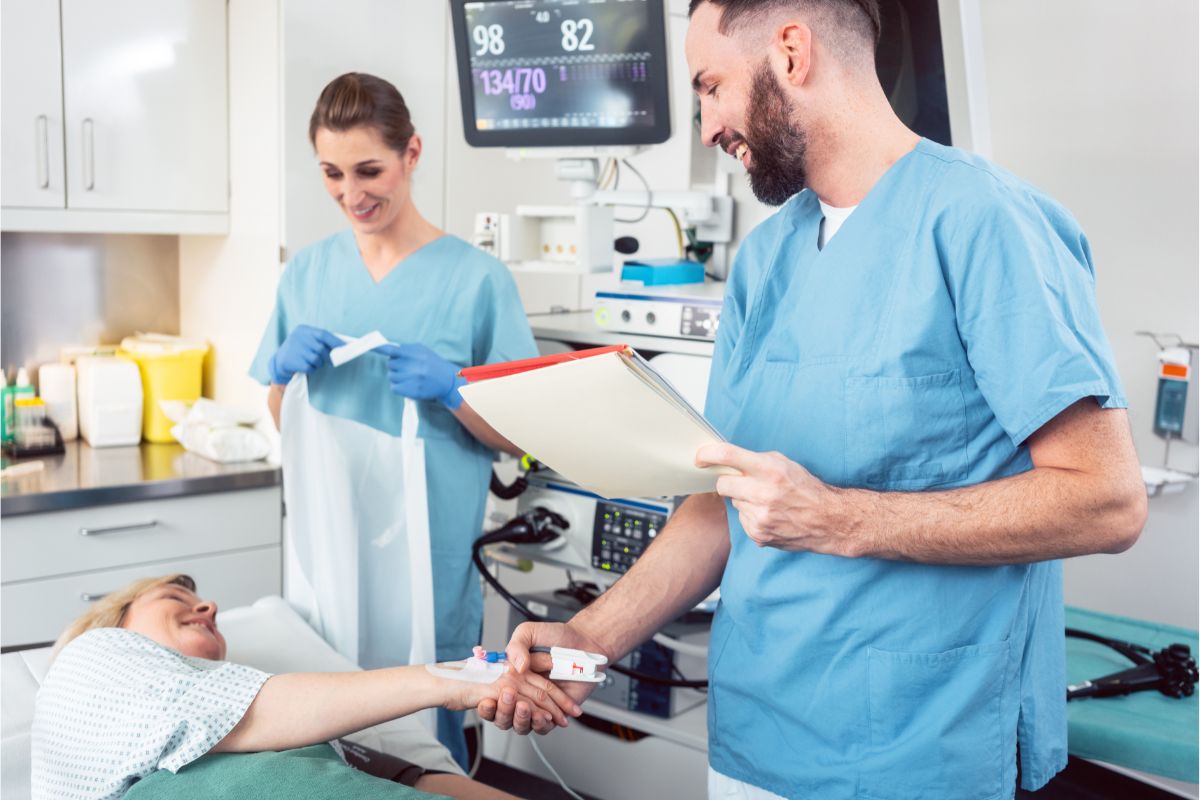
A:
(268, 635)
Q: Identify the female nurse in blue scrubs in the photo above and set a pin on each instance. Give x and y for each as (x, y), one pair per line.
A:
(444, 303)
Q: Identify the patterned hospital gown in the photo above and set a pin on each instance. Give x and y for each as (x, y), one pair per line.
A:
(117, 706)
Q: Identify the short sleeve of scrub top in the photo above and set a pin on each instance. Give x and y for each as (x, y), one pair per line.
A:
(1021, 275)
(116, 706)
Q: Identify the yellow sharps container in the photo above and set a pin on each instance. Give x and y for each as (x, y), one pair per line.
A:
(172, 369)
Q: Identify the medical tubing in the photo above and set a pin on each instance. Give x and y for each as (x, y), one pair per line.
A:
(553, 771)
(509, 492)
(1171, 670)
(524, 531)
(686, 648)
(649, 194)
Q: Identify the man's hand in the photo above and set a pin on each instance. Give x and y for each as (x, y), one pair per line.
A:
(511, 711)
(548, 704)
(779, 503)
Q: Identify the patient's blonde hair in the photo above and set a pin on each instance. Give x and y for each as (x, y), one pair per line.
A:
(109, 611)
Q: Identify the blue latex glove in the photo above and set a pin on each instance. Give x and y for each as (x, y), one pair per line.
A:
(305, 349)
(416, 371)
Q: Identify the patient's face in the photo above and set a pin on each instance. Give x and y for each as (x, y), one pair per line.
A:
(176, 618)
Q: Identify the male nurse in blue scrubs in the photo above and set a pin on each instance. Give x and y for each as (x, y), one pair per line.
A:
(925, 416)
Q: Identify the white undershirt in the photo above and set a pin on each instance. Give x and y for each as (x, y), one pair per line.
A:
(834, 218)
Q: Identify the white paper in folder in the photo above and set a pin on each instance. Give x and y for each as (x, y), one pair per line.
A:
(608, 422)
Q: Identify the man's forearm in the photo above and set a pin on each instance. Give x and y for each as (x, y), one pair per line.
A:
(304, 708)
(681, 568)
(1042, 514)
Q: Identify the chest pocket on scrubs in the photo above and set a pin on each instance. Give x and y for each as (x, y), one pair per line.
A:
(906, 432)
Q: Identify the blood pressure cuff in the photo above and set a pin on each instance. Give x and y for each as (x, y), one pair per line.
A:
(306, 773)
(382, 765)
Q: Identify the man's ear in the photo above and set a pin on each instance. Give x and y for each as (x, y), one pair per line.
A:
(793, 43)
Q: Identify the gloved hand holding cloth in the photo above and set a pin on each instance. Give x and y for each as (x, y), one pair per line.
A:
(305, 349)
(417, 372)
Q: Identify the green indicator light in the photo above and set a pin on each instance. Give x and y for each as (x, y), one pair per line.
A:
(626, 549)
(605, 565)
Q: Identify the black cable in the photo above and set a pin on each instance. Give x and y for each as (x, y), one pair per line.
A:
(538, 527)
(1171, 670)
(509, 492)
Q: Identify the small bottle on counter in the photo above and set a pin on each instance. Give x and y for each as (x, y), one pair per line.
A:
(23, 388)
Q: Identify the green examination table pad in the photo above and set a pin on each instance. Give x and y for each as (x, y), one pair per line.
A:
(306, 773)
(1146, 731)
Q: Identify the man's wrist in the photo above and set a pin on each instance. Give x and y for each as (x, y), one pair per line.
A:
(846, 514)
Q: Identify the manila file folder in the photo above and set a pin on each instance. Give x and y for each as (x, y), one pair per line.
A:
(602, 418)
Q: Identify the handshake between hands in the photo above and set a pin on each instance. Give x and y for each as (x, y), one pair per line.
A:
(523, 699)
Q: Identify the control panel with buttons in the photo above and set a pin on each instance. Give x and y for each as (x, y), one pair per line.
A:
(621, 532)
(682, 312)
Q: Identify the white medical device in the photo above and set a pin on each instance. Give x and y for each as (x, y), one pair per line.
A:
(690, 311)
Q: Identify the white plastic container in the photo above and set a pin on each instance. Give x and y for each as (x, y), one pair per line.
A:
(110, 401)
(56, 385)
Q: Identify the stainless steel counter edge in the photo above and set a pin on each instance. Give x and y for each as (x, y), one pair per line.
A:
(131, 493)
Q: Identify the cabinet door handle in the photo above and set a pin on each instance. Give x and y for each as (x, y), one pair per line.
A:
(92, 597)
(42, 134)
(89, 154)
(133, 526)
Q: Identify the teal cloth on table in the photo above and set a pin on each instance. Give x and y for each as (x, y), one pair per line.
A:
(306, 773)
(1146, 731)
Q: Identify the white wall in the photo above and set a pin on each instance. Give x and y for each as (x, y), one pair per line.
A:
(227, 283)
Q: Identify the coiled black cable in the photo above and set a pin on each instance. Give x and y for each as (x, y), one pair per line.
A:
(538, 526)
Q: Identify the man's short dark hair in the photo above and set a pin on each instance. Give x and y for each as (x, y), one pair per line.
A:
(857, 16)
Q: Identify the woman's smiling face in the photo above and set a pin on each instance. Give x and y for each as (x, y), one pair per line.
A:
(369, 180)
(176, 618)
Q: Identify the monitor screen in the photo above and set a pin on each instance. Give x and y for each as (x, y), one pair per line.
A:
(562, 73)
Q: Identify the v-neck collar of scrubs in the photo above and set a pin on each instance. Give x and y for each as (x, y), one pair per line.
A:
(809, 212)
(426, 250)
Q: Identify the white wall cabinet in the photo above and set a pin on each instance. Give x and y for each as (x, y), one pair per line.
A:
(31, 88)
(57, 563)
(131, 134)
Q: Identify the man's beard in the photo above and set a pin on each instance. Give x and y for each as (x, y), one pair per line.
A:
(777, 146)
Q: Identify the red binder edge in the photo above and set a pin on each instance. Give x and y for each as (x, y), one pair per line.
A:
(488, 371)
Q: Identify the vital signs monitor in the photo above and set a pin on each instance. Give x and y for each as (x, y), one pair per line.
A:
(562, 73)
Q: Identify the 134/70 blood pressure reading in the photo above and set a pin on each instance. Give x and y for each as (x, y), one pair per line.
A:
(524, 84)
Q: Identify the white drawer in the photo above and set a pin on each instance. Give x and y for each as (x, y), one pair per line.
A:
(41, 545)
(38, 611)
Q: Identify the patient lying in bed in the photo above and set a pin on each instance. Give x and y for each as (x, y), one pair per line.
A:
(139, 703)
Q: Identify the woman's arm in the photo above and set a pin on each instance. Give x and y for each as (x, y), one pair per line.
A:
(275, 401)
(305, 708)
(484, 432)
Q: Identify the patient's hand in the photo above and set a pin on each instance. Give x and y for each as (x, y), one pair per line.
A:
(513, 712)
(548, 703)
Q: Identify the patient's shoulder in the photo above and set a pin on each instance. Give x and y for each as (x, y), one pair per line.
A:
(110, 655)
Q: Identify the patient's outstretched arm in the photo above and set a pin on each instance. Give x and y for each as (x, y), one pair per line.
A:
(303, 708)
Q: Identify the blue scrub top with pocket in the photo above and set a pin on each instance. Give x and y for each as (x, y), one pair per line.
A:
(461, 303)
(951, 316)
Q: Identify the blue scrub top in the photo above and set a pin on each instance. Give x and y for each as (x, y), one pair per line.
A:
(463, 304)
(951, 317)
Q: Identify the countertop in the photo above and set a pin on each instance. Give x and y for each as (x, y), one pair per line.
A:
(86, 476)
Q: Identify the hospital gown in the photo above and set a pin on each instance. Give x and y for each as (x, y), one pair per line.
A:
(117, 706)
